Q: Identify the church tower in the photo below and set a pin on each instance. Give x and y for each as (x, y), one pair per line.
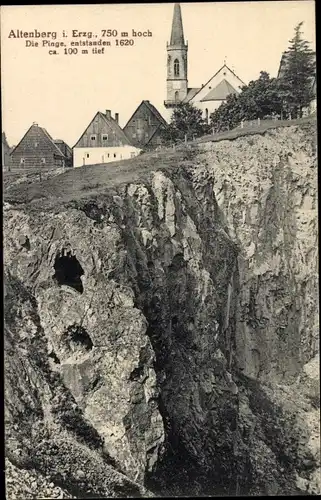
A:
(176, 62)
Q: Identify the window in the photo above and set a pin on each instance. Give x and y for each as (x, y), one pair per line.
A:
(108, 155)
(22, 160)
(36, 144)
(206, 115)
(87, 155)
(43, 160)
(114, 155)
(176, 67)
(146, 135)
(176, 96)
(105, 137)
(93, 137)
(132, 155)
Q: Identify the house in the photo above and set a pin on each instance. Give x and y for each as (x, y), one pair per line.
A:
(145, 126)
(5, 153)
(207, 97)
(37, 149)
(66, 151)
(103, 141)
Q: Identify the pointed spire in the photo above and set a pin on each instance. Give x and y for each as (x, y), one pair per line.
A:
(177, 35)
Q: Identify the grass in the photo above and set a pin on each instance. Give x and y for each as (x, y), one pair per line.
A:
(92, 180)
(257, 129)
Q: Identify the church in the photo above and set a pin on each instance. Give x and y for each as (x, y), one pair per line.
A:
(208, 97)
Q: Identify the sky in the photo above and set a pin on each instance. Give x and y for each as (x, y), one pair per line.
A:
(63, 92)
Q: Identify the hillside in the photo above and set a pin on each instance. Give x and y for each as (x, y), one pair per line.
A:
(161, 322)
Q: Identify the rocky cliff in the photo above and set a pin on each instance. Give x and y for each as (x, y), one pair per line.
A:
(161, 322)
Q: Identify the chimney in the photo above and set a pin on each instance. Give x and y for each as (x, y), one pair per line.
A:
(108, 113)
(117, 117)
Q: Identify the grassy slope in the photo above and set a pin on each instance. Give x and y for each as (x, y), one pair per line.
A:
(94, 179)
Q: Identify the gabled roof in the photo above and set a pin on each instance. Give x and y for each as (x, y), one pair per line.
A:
(224, 66)
(152, 109)
(190, 94)
(111, 122)
(220, 92)
(47, 136)
(60, 142)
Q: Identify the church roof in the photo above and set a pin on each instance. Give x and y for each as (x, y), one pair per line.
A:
(222, 69)
(177, 34)
(190, 93)
(220, 92)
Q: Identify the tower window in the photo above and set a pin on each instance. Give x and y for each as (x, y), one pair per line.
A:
(176, 96)
(176, 67)
(93, 137)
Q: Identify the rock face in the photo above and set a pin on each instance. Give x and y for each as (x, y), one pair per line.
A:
(158, 329)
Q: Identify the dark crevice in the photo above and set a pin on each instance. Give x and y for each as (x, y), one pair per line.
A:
(53, 356)
(79, 336)
(68, 271)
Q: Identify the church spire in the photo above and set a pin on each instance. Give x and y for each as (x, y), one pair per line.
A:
(177, 35)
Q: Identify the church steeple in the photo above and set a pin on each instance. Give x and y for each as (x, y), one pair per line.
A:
(177, 35)
(176, 62)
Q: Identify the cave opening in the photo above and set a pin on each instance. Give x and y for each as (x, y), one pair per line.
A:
(68, 271)
(78, 335)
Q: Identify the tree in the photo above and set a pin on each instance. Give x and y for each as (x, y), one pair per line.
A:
(259, 99)
(298, 73)
(186, 121)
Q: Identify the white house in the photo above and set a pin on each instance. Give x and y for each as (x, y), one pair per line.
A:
(103, 141)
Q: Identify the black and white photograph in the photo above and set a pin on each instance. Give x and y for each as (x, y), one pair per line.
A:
(160, 250)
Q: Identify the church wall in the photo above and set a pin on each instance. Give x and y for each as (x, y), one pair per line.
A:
(209, 105)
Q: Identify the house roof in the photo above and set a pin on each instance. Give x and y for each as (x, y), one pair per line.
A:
(177, 34)
(190, 93)
(47, 136)
(111, 122)
(220, 92)
(224, 66)
(152, 109)
(60, 142)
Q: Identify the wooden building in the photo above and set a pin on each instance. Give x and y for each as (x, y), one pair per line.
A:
(144, 128)
(66, 151)
(37, 149)
(103, 141)
(5, 153)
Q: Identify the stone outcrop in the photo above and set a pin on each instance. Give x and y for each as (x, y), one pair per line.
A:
(157, 330)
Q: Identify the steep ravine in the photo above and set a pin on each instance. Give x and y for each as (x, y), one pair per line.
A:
(162, 333)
